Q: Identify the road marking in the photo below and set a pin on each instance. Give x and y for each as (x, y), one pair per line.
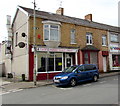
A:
(17, 90)
(87, 85)
(61, 88)
(65, 88)
(116, 79)
(10, 91)
(4, 93)
(102, 82)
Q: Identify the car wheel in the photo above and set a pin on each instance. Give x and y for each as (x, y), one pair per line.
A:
(73, 82)
(95, 78)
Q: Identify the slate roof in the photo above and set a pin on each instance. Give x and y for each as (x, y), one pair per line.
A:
(72, 20)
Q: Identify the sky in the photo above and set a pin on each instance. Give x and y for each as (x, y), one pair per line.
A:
(103, 11)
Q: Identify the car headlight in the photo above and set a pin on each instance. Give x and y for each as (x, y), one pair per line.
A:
(65, 77)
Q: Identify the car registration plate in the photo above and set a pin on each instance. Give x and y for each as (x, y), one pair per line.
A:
(56, 81)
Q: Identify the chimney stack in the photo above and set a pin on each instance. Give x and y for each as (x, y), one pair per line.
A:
(88, 17)
(60, 11)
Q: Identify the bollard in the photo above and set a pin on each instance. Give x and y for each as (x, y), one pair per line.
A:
(23, 77)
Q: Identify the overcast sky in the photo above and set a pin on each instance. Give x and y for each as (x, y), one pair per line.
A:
(104, 11)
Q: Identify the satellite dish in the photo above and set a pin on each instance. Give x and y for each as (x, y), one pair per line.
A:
(21, 44)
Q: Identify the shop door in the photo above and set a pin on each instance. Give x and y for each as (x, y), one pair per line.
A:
(86, 58)
(68, 60)
(104, 65)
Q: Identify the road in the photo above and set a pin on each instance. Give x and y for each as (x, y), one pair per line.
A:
(105, 91)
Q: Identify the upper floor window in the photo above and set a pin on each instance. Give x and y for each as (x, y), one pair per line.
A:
(73, 39)
(89, 39)
(104, 38)
(51, 31)
(114, 38)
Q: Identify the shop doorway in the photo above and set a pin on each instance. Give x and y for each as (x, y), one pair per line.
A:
(90, 57)
(69, 59)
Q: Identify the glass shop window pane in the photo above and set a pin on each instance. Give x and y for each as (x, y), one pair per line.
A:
(58, 61)
(41, 62)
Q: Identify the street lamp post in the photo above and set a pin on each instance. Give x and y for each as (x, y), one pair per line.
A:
(34, 45)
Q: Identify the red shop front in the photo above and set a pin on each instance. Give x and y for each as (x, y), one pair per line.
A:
(51, 62)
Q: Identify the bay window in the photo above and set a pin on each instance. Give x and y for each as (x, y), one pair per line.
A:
(51, 31)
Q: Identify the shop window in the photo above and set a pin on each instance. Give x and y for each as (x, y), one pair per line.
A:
(52, 62)
(72, 34)
(116, 60)
(89, 40)
(104, 38)
(90, 58)
(93, 58)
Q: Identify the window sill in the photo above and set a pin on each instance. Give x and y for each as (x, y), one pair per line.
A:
(73, 43)
(104, 45)
(89, 44)
(115, 41)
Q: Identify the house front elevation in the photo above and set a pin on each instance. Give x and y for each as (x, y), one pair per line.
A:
(60, 41)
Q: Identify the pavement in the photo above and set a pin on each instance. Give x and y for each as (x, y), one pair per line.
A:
(7, 84)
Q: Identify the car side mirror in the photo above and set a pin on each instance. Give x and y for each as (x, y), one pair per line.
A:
(79, 71)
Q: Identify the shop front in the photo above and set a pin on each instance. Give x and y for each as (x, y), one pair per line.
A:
(51, 61)
(114, 57)
(90, 55)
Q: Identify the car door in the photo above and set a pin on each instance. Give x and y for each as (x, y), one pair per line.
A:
(81, 74)
(89, 71)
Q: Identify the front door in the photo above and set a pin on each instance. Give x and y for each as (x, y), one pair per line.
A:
(104, 65)
(68, 60)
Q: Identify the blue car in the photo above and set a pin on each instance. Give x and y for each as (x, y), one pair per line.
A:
(77, 73)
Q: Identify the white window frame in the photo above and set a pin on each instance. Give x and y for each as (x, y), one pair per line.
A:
(72, 36)
(104, 40)
(90, 39)
(51, 23)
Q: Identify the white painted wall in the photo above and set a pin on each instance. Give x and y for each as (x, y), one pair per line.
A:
(20, 55)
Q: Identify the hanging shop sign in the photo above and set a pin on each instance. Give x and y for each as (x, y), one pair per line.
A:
(105, 53)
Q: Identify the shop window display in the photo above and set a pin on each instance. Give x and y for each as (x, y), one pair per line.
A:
(116, 60)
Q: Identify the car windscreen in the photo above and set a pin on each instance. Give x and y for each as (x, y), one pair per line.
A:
(70, 69)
